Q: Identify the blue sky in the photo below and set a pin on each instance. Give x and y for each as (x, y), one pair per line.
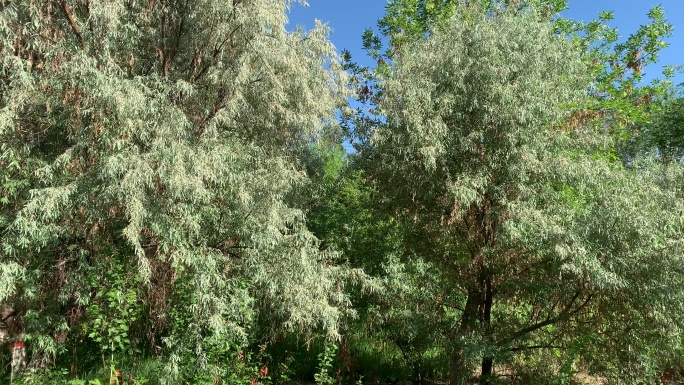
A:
(349, 18)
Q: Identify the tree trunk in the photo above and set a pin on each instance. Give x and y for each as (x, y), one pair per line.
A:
(460, 370)
(487, 361)
(9, 325)
(487, 366)
(478, 309)
(459, 373)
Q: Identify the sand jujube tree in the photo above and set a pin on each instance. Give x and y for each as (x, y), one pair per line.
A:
(548, 237)
(162, 140)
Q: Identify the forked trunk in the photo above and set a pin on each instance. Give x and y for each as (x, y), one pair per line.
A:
(478, 309)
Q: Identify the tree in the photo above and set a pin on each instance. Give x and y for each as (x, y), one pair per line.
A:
(552, 241)
(161, 141)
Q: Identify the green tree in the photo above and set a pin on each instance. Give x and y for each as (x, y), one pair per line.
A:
(165, 136)
(618, 66)
(407, 20)
(665, 132)
(553, 243)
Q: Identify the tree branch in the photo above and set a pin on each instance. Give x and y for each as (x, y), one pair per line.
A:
(74, 27)
(519, 348)
(567, 310)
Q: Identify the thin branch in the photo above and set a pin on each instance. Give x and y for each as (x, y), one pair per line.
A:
(74, 27)
(453, 307)
(549, 321)
(519, 348)
(51, 40)
(218, 48)
(10, 313)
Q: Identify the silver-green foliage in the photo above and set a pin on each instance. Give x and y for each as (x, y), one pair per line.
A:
(549, 237)
(166, 134)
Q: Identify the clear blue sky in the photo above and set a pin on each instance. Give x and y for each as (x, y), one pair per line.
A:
(349, 18)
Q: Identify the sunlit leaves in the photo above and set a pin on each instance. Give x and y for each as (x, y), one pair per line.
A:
(168, 136)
